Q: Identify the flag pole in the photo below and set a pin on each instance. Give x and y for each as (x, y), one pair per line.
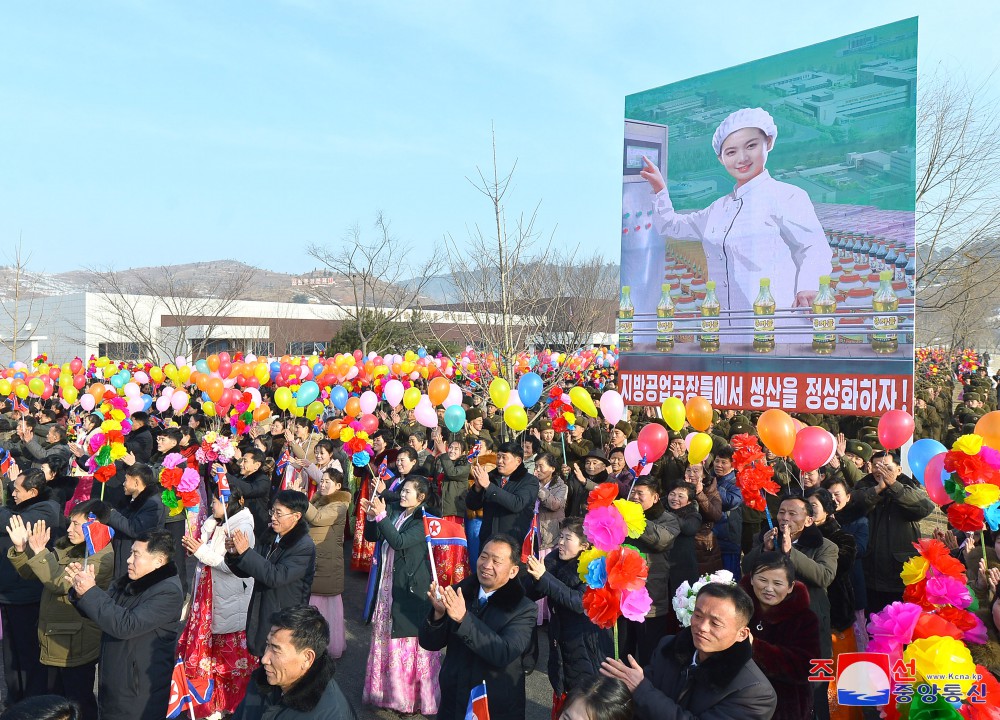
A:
(434, 574)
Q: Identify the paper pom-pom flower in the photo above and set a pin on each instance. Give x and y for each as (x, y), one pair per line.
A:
(602, 495)
(597, 573)
(990, 456)
(103, 474)
(937, 554)
(945, 590)
(626, 570)
(636, 603)
(982, 495)
(896, 621)
(967, 518)
(987, 710)
(929, 625)
(938, 709)
(360, 459)
(917, 594)
(968, 444)
(914, 570)
(605, 527)
(944, 657)
(601, 607)
(992, 516)
(586, 557)
(635, 518)
(189, 481)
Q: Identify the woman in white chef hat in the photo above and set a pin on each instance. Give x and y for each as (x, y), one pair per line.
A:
(763, 228)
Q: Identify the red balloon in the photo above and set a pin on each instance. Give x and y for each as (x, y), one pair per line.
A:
(652, 441)
(813, 448)
(369, 423)
(934, 475)
(894, 429)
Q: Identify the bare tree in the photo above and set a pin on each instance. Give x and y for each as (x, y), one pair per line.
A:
(18, 303)
(382, 280)
(165, 313)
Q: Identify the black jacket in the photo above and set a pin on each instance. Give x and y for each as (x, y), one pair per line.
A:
(411, 569)
(132, 518)
(256, 489)
(683, 560)
(283, 575)
(140, 443)
(726, 685)
(486, 646)
(506, 509)
(841, 590)
(577, 647)
(316, 696)
(14, 589)
(140, 620)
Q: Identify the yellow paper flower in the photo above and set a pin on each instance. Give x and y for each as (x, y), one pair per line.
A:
(347, 434)
(209, 437)
(111, 425)
(174, 512)
(117, 451)
(914, 570)
(945, 657)
(117, 414)
(362, 435)
(969, 444)
(982, 495)
(634, 518)
(585, 557)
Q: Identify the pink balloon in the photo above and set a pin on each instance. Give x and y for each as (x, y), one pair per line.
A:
(687, 440)
(632, 454)
(812, 448)
(132, 391)
(454, 396)
(369, 423)
(653, 440)
(135, 404)
(179, 400)
(612, 406)
(934, 477)
(369, 401)
(162, 403)
(425, 414)
(87, 402)
(393, 392)
(894, 429)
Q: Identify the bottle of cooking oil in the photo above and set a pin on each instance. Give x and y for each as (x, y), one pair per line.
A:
(884, 337)
(824, 328)
(709, 338)
(626, 315)
(665, 321)
(763, 320)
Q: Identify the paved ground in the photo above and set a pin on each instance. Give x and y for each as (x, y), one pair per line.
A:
(351, 667)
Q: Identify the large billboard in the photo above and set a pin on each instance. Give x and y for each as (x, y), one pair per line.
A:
(768, 231)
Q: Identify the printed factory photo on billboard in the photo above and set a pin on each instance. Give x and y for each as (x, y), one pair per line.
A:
(768, 231)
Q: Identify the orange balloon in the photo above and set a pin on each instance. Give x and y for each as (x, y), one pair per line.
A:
(437, 391)
(777, 431)
(213, 363)
(988, 427)
(97, 390)
(333, 429)
(214, 387)
(353, 407)
(261, 413)
(699, 413)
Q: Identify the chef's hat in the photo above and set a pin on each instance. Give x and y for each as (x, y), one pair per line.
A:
(745, 118)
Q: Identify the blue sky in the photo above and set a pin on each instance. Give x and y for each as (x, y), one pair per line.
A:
(139, 133)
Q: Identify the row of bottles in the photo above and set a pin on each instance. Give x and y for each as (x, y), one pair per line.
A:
(857, 253)
(884, 337)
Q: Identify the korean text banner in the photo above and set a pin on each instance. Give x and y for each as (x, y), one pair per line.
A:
(768, 231)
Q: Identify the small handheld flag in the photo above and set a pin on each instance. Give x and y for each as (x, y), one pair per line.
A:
(384, 473)
(97, 535)
(5, 461)
(476, 449)
(478, 708)
(184, 692)
(528, 546)
(440, 531)
(222, 480)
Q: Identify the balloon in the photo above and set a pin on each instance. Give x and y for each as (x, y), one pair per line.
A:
(393, 392)
(411, 397)
(633, 457)
(283, 398)
(934, 477)
(812, 448)
(261, 413)
(36, 386)
(214, 388)
(424, 413)
(515, 416)
(437, 391)
(454, 418)
(529, 388)
(369, 423)
(308, 391)
(454, 396)
(582, 400)
(135, 404)
(988, 427)
(612, 406)
(653, 440)
(673, 413)
(894, 429)
(162, 403)
(87, 402)
(69, 395)
(5, 387)
(777, 431)
(314, 409)
(208, 408)
(132, 390)
(699, 413)
(920, 454)
(701, 446)
(353, 407)
(338, 396)
(369, 401)
(179, 400)
(500, 393)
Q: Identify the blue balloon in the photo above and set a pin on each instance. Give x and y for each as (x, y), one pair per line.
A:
(307, 392)
(275, 368)
(421, 352)
(147, 402)
(19, 375)
(338, 396)
(454, 418)
(317, 369)
(920, 454)
(205, 398)
(529, 388)
(202, 366)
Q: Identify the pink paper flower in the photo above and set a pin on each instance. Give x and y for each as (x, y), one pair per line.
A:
(605, 527)
(888, 645)
(96, 441)
(636, 603)
(173, 460)
(895, 623)
(189, 481)
(976, 635)
(944, 590)
(990, 456)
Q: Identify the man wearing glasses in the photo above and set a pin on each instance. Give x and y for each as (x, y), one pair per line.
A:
(894, 504)
(282, 565)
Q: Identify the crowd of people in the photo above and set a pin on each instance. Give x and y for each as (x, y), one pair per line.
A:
(247, 590)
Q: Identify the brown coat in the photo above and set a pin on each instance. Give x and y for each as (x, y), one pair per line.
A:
(326, 528)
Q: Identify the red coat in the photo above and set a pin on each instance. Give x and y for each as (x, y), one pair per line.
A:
(785, 639)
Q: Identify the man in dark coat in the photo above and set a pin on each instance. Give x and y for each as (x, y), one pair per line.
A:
(19, 598)
(507, 496)
(139, 441)
(140, 617)
(486, 623)
(295, 680)
(706, 670)
(255, 486)
(282, 565)
(141, 512)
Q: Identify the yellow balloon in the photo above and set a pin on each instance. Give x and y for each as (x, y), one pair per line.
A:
(102, 362)
(22, 391)
(262, 373)
(70, 394)
(673, 413)
(701, 446)
(283, 398)
(185, 374)
(209, 408)
(156, 374)
(411, 397)
(500, 393)
(5, 387)
(296, 410)
(515, 417)
(314, 409)
(581, 399)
